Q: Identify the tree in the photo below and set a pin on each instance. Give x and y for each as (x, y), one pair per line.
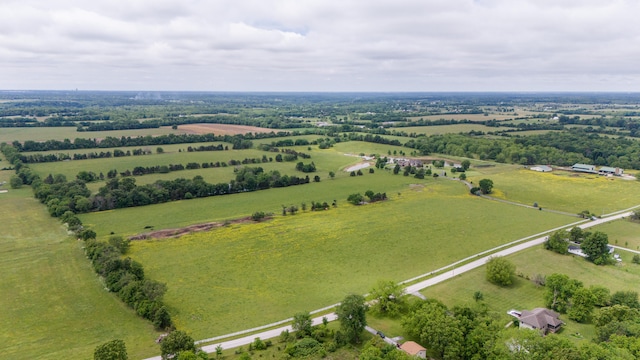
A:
(557, 242)
(486, 185)
(627, 298)
(302, 324)
(332, 174)
(602, 294)
(439, 331)
(389, 298)
(465, 164)
(396, 169)
(576, 235)
(595, 246)
(463, 177)
(15, 182)
(582, 303)
(176, 342)
(500, 271)
(120, 243)
(159, 150)
(559, 290)
(478, 296)
(112, 350)
(352, 316)
(355, 199)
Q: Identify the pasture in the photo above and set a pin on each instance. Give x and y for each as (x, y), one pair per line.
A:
(54, 306)
(623, 233)
(60, 133)
(240, 276)
(561, 190)
(448, 129)
(470, 117)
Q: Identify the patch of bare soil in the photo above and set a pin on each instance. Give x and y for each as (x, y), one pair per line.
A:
(222, 129)
(174, 233)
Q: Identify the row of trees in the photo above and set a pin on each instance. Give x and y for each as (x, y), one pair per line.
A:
(40, 158)
(126, 278)
(358, 199)
(62, 196)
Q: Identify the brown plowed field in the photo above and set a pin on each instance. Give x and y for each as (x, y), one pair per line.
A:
(221, 129)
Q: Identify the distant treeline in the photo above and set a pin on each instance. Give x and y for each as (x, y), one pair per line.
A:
(562, 148)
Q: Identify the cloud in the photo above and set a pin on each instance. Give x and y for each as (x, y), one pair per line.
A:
(345, 45)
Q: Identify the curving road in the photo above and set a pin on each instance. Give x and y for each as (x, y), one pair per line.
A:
(408, 290)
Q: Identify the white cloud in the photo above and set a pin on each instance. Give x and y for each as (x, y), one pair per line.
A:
(310, 45)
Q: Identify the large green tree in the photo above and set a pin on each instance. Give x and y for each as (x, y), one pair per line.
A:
(112, 350)
(302, 324)
(486, 185)
(595, 246)
(388, 297)
(500, 271)
(559, 290)
(436, 328)
(557, 242)
(352, 316)
(582, 304)
(176, 342)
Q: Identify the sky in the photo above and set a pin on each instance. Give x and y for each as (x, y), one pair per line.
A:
(320, 45)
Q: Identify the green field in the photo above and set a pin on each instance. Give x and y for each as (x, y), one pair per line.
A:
(471, 117)
(623, 233)
(54, 306)
(60, 133)
(242, 276)
(562, 190)
(449, 129)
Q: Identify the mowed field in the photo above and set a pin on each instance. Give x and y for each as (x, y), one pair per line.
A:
(223, 129)
(448, 129)
(470, 117)
(9, 135)
(562, 190)
(623, 233)
(53, 305)
(525, 295)
(241, 276)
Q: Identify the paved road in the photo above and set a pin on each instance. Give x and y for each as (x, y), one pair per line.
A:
(408, 290)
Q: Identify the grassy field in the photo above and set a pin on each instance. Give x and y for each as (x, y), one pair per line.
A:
(60, 133)
(54, 306)
(448, 129)
(561, 190)
(623, 233)
(524, 294)
(241, 276)
(471, 117)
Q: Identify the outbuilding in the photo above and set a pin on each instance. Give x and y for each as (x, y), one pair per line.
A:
(606, 170)
(584, 168)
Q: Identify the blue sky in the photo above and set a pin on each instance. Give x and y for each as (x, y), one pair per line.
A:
(320, 45)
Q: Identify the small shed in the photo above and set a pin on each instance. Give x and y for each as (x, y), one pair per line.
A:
(414, 349)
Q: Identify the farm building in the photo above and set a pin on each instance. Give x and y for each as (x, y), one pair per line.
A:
(541, 168)
(540, 319)
(414, 349)
(584, 168)
(606, 170)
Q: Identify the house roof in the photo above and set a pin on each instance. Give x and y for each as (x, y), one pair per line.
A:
(412, 347)
(607, 169)
(540, 318)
